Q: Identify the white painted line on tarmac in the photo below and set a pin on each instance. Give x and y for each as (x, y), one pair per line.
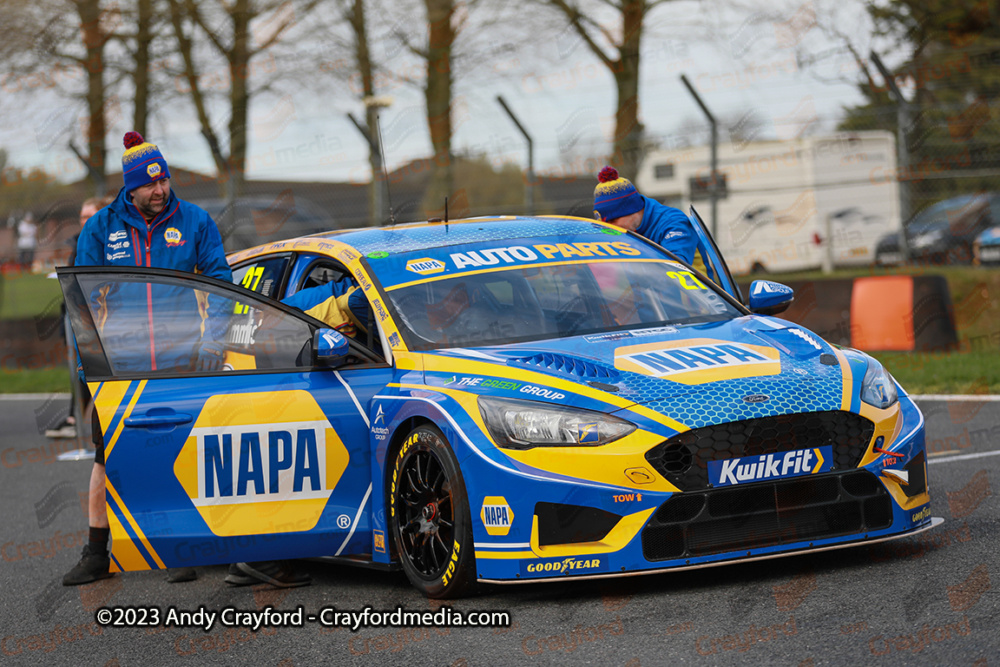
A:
(963, 457)
(32, 397)
(978, 398)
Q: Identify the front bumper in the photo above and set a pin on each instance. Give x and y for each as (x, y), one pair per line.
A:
(659, 531)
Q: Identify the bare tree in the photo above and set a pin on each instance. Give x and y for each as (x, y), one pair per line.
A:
(225, 30)
(617, 47)
(55, 41)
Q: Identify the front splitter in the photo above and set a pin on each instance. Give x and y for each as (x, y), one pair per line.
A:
(933, 523)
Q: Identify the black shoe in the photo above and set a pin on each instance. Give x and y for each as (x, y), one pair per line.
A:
(235, 577)
(92, 567)
(278, 573)
(178, 575)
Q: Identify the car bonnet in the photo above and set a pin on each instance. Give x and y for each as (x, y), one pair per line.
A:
(698, 374)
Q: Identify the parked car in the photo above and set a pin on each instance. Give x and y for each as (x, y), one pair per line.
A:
(536, 399)
(987, 246)
(944, 232)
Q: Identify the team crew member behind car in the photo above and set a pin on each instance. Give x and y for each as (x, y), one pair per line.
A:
(616, 201)
(67, 428)
(145, 226)
(343, 307)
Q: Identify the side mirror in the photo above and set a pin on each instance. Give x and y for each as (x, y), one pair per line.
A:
(770, 298)
(329, 348)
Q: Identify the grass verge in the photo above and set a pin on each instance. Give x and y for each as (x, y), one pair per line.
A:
(26, 295)
(34, 381)
(973, 372)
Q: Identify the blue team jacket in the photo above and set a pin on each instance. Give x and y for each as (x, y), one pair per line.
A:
(669, 228)
(152, 327)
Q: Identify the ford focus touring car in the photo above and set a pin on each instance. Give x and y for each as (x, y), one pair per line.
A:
(526, 399)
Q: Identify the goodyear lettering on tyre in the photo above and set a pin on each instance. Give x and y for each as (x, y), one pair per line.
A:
(452, 565)
(395, 470)
(496, 514)
(568, 566)
(261, 463)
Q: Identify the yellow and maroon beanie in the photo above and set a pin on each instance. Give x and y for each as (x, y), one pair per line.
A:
(615, 196)
(142, 162)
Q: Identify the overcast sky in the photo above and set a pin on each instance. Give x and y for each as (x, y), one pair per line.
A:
(743, 64)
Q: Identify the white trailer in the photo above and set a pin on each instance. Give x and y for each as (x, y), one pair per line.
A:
(788, 205)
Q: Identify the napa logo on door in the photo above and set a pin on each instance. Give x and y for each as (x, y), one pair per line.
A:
(747, 469)
(261, 462)
(698, 360)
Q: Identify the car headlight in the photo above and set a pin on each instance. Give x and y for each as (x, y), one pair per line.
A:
(928, 239)
(517, 424)
(878, 388)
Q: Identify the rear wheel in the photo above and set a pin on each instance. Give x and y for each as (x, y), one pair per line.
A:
(430, 518)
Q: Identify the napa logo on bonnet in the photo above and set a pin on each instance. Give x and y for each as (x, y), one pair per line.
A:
(497, 515)
(747, 469)
(425, 266)
(698, 360)
(173, 236)
(261, 462)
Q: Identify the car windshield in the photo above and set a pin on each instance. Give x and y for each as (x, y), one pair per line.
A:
(936, 216)
(553, 301)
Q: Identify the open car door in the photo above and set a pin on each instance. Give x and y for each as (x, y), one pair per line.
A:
(267, 457)
(715, 265)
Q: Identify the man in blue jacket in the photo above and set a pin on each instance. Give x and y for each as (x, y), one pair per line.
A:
(616, 201)
(146, 226)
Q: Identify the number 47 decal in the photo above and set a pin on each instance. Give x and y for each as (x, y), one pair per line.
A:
(250, 281)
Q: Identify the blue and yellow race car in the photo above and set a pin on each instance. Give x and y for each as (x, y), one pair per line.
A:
(527, 399)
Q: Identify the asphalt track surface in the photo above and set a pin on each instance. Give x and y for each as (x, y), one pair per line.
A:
(924, 600)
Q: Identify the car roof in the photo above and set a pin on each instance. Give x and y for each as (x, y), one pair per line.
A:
(429, 235)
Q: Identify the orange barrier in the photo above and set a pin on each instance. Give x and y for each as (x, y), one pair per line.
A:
(882, 313)
(876, 313)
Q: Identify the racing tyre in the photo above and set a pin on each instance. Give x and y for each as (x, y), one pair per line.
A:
(429, 515)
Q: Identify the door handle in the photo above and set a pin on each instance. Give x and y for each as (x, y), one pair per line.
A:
(151, 418)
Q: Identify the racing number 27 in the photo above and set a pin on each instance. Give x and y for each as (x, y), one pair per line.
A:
(683, 277)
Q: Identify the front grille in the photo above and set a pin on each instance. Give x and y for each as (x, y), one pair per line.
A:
(767, 514)
(683, 459)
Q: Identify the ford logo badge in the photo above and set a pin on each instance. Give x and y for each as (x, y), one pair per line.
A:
(756, 398)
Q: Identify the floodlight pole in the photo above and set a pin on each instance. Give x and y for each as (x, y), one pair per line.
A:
(714, 184)
(529, 188)
(902, 153)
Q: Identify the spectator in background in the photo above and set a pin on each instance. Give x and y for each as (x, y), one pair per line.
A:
(27, 241)
(78, 390)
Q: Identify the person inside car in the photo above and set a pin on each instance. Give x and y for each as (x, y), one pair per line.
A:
(343, 307)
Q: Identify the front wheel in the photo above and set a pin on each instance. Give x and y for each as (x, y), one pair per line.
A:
(429, 512)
